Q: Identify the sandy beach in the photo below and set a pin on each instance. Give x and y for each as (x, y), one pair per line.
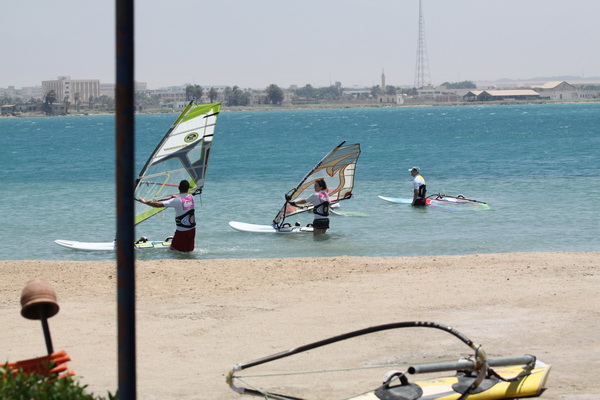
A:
(196, 319)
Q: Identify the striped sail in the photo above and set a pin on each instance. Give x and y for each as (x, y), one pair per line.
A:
(336, 168)
(182, 154)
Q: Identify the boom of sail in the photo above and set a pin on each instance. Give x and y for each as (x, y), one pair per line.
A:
(472, 377)
(183, 153)
(336, 168)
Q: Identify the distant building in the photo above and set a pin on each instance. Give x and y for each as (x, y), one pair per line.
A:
(16, 109)
(428, 93)
(64, 86)
(458, 92)
(170, 94)
(174, 105)
(390, 98)
(25, 94)
(588, 94)
(384, 98)
(497, 95)
(447, 98)
(558, 90)
(7, 109)
(29, 107)
(9, 92)
(32, 92)
(109, 89)
(357, 92)
(472, 95)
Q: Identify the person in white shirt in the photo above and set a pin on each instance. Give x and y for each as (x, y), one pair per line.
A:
(419, 187)
(185, 218)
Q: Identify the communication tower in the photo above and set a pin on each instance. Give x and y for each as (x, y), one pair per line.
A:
(422, 77)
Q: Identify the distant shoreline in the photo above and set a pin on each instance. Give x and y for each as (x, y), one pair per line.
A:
(415, 105)
(327, 106)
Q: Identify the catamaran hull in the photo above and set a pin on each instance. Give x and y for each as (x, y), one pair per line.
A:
(245, 227)
(444, 388)
(110, 246)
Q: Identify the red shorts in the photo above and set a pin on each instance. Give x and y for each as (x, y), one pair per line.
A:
(184, 241)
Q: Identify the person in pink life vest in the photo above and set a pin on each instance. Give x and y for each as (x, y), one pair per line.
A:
(185, 219)
(320, 201)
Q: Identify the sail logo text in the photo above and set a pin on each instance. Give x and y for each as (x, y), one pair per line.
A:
(191, 137)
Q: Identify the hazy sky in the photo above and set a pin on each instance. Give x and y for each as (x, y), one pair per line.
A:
(253, 43)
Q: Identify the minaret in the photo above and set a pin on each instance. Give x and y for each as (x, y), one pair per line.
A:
(382, 81)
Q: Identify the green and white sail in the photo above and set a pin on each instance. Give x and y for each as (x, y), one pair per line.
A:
(336, 168)
(183, 153)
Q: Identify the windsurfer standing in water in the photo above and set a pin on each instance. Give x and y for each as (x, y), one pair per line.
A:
(184, 205)
(419, 187)
(320, 201)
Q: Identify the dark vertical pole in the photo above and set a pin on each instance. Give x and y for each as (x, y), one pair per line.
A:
(44, 318)
(47, 336)
(125, 108)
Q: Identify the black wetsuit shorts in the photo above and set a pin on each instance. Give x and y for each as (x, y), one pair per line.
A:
(321, 223)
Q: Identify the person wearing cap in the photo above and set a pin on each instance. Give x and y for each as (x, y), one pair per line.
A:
(419, 187)
(185, 233)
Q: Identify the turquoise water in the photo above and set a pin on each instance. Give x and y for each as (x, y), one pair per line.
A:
(538, 166)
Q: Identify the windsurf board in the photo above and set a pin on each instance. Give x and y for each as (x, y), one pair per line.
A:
(245, 227)
(111, 246)
(451, 387)
(396, 200)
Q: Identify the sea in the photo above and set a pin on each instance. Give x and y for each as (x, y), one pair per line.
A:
(537, 166)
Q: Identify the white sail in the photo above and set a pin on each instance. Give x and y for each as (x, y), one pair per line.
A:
(183, 153)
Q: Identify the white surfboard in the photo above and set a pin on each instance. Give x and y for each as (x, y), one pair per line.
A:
(441, 201)
(111, 246)
(245, 227)
(396, 200)
(90, 246)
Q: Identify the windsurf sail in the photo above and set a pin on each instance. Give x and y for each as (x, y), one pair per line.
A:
(183, 153)
(336, 168)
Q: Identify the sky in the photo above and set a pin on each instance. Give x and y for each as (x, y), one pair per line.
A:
(255, 43)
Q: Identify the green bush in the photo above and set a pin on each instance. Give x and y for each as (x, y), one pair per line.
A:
(22, 386)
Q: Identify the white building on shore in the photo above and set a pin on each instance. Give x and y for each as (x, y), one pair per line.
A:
(64, 86)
